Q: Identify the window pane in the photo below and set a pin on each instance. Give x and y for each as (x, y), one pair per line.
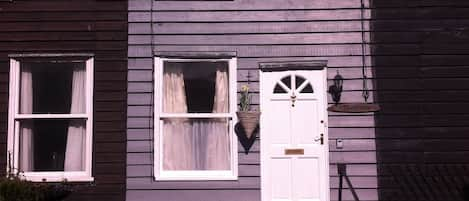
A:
(307, 89)
(196, 87)
(52, 145)
(287, 81)
(56, 88)
(196, 144)
(279, 90)
(298, 81)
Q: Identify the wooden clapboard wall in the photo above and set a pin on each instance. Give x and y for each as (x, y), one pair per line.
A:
(259, 31)
(420, 55)
(86, 26)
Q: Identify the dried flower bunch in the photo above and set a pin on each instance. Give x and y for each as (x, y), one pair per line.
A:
(245, 99)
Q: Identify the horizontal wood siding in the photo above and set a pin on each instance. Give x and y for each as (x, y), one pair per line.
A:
(86, 26)
(258, 31)
(422, 140)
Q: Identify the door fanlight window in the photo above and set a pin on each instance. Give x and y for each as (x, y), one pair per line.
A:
(301, 85)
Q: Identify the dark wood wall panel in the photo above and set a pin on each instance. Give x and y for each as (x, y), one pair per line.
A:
(87, 26)
(421, 70)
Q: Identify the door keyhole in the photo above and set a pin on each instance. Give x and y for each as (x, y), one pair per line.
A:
(293, 99)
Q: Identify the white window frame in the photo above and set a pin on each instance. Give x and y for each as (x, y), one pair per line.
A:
(165, 175)
(14, 116)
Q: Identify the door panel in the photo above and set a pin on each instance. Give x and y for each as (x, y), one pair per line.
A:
(307, 189)
(293, 160)
(281, 180)
(280, 118)
(304, 124)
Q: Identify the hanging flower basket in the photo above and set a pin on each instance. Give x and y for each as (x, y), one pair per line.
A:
(249, 121)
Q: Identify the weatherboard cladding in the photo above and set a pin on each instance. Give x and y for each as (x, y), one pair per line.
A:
(258, 31)
(78, 28)
(421, 67)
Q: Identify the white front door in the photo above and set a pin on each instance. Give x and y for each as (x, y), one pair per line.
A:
(294, 149)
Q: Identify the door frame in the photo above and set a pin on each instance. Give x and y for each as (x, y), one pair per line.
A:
(295, 66)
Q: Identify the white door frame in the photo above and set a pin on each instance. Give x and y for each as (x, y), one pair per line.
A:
(265, 95)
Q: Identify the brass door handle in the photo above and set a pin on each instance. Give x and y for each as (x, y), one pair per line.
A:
(320, 138)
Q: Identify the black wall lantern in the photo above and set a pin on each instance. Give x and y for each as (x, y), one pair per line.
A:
(336, 89)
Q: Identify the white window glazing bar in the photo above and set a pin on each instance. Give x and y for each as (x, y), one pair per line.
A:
(51, 116)
(196, 115)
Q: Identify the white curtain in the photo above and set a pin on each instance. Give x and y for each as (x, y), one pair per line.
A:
(218, 139)
(26, 128)
(75, 148)
(194, 144)
(177, 149)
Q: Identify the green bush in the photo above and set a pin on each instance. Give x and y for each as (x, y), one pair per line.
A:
(15, 189)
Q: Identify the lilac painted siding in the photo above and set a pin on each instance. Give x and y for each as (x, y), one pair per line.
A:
(258, 31)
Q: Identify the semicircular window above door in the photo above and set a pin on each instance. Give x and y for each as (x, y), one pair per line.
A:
(293, 83)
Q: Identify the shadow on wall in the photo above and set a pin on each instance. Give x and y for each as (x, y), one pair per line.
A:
(421, 70)
(466, 192)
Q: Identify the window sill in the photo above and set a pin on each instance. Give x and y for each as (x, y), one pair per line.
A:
(196, 176)
(57, 177)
